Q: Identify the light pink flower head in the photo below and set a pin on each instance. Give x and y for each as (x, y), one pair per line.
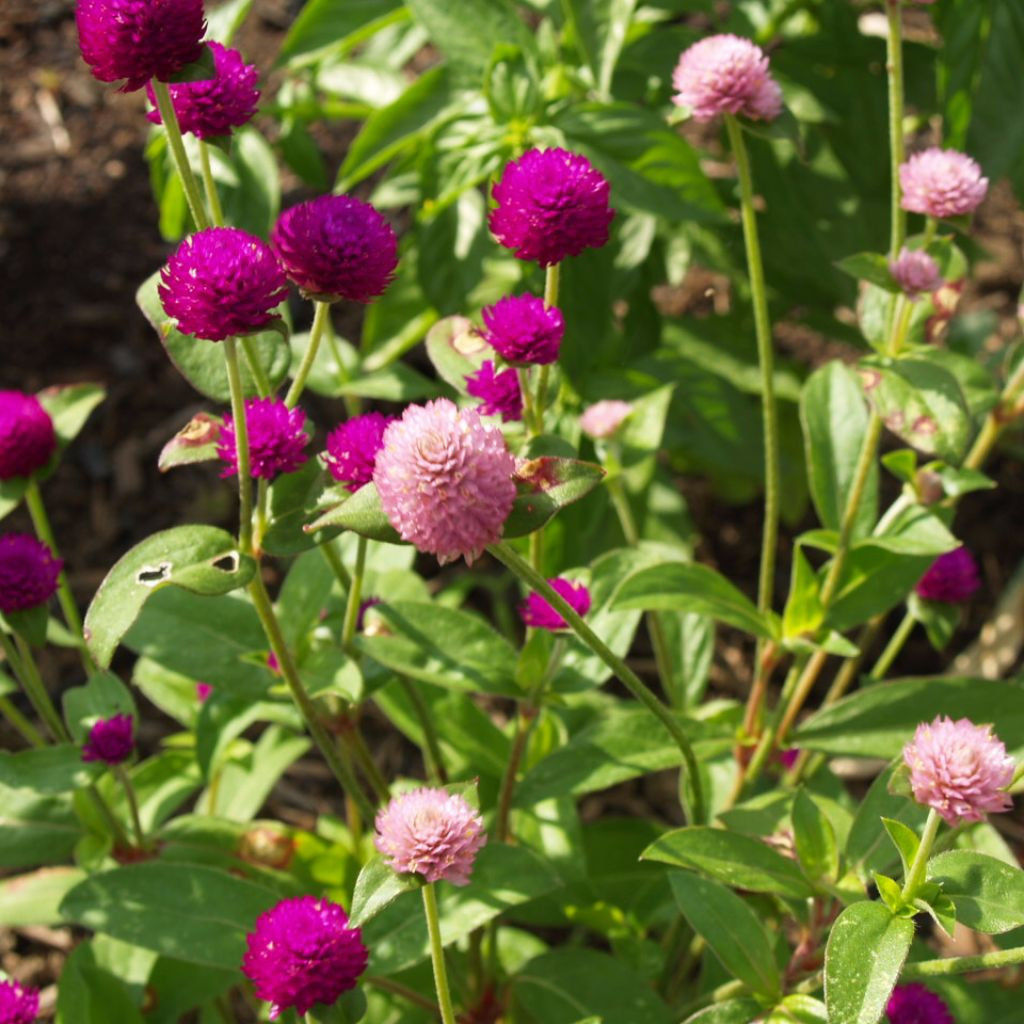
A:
(726, 74)
(445, 480)
(942, 183)
(958, 768)
(432, 833)
(604, 418)
(915, 272)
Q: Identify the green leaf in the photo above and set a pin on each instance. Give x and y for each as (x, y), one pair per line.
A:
(939, 618)
(602, 26)
(88, 993)
(292, 500)
(457, 348)
(70, 406)
(32, 900)
(36, 829)
(890, 891)
(103, 696)
(905, 839)
(224, 20)
(510, 87)
(869, 266)
(732, 1011)
(867, 845)
(988, 894)
(57, 769)
(195, 442)
(804, 611)
(814, 838)
(202, 69)
(377, 887)
(334, 24)
(798, 1009)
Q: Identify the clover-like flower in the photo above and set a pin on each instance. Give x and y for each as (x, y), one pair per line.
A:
(27, 437)
(352, 448)
(523, 330)
(952, 578)
(277, 437)
(942, 183)
(915, 272)
(28, 572)
(535, 611)
(603, 419)
(19, 1004)
(498, 391)
(111, 740)
(913, 1003)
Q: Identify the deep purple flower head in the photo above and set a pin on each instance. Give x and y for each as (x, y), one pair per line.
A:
(364, 607)
(432, 833)
(941, 183)
(272, 663)
(203, 691)
(303, 951)
(352, 448)
(958, 768)
(19, 1004)
(139, 39)
(445, 480)
(220, 282)
(913, 1003)
(536, 612)
(110, 740)
(915, 272)
(27, 437)
(603, 419)
(213, 107)
(337, 247)
(952, 577)
(28, 572)
(551, 204)
(277, 437)
(523, 330)
(499, 393)
(788, 757)
(726, 74)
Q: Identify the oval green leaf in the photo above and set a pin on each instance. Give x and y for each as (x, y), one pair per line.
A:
(988, 894)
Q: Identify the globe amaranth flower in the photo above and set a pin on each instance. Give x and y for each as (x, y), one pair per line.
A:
(215, 106)
(958, 768)
(726, 74)
(352, 448)
(536, 612)
(337, 247)
(915, 1004)
(915, 272)
(111, 740)
(952, 577)
(603, 419)
(27, 437)
(432, 833)
(28, 572)
(551, 204)
(303, 951)
(499, 392)
(445, 480)
(19, 1004)
(221, 282)
(523, 330)
(203, 691)
(941, 183)
(139, 39)
(277, 437)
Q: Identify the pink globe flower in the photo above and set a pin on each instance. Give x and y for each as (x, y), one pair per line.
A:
(27, 437)
(604, 418)
(432, 833)
(303, 951)
(203, 691)
(139, 39)
(213, 107)
(551, 204)
(958, 768)
(499, 393)
(726, 74)
(28, 572)
(337, 247)
(952, 578)
(915, 272)
(352, 448)
(913, 1003)
(221, 282)
(277, 437)
(942, 183)
(537, 613)
(19, 1004)
(445, 480)
(111, 740)
(523, 330)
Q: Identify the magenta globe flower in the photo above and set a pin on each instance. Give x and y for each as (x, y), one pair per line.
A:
(111, 740)
(28, 572)
(277, 437)
(203, 691)
(523, 330)
(942, 183)
(301, 952)
(337, 247)
(915, 272)
(19, 1004)
(139, 39)
(915, 1004)
(432, 833)
(221, 282)
(27, 437)
(551, 204)
(952, 578)
(499, 393)
(538, 614)
(445, 480)
(352, 448)
(213, 107)
(603, 419)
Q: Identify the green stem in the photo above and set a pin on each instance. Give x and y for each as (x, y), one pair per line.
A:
(431, 749)
(529, 416)
(133, 804)
(552, 277)
(241, 446)
(260, 520)
(355, 594)
(915, 876)
(35, 689)
(963, 964)
(995, 421)
(444, 996)
(894, 70)
(524, 726)
(396, 988)
(177, 147)
(259, 375)
(893, 647)
(330, 552)
(366, 761)
(212, 198)
(321, 315)
(28, 732)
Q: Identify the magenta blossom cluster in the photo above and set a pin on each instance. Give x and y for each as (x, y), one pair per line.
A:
(523, 330)
(111, 740)
(499, 392)
(951, 578)
(213, 107)
(915, 1004)
(537, 613)
(942, 183)
(277, 437)
(551, 204)
(221, 282)
(19, 1004)
(603, 419)
(432, 833)
(959, 769)
(915, 272)
(28, 572)
(27, 437)
(301, 952)
(352, 448)
(203, 691)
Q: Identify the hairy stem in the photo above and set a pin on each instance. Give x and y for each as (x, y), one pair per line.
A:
(963, 964)
(133, 804)
(894, 71)
(241, 446)
(28, 732)
(444, 996)
(212, 197)
(915, 876)
(321, 315)
(177, 147)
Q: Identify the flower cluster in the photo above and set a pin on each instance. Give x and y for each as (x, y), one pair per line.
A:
(915, 272)
(499, 392)
(28, 572)
(352, 449)
(111, 740)
(523, 330)
(952, 578)
(27, 437)
(19, 1004)
(277, 437)
(915, 1004)
(603, 419)
(536, 612)
(942, 183)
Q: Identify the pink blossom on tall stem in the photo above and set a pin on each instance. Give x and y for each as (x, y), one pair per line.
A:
(111, 740)
(915, 272)
(523, 330)
(28, 572)
(537, 613)
(27, 437)
(352, 448)
(277, 437)
(499, 392)
(603, 419)
(203, 691)
(952, 578)
(915, 1004)
(19, 1004)
(942, 183)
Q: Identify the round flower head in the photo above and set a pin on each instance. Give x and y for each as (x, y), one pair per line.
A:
(958, 768)
(352, 448)
(28, 572)
(941, 183)
(139, 39)
(221, 282)
(303, 951)
(915, 1004)
(445, 480)
(551, 204)
(523, 330)
(19, 1004)
(213, 107)
(536, 612)
(203, 691)
(27, 438)
(337, 247)
(726, 74)
(915, 272)
(276, 438)
(499, 393)
(604, 418)
(952, 577)
(110, 740)
(432, 833)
